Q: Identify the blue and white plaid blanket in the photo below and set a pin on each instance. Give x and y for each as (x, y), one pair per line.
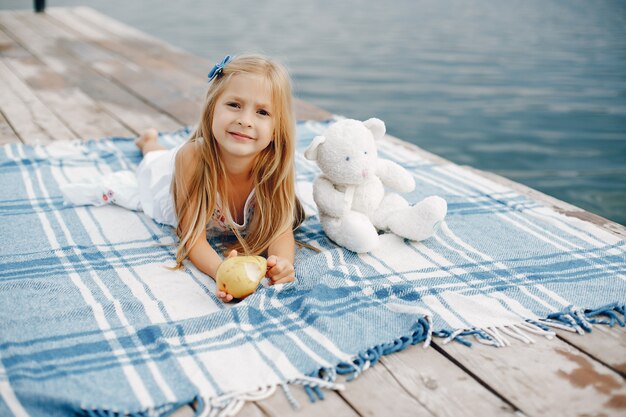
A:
(92, 322)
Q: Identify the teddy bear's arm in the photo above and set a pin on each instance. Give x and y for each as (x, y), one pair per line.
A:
(329, 200)
(394, 176)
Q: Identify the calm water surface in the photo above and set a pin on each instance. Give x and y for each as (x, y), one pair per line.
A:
(532, 90)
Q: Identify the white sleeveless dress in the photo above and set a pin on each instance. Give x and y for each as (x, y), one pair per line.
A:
(154, 178)
(148, 189)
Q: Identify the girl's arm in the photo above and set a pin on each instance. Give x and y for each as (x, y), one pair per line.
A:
(201, 254)
(204, 257)
(281, 254)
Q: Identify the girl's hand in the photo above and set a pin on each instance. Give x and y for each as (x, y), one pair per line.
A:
(279, 270)
(222, 295)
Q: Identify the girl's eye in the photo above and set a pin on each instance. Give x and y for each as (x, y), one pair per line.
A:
(263, 112)
(232, 104)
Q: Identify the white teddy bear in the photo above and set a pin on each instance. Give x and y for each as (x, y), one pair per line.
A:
(350, 193)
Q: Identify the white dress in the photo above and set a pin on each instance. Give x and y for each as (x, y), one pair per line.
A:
(154, 178)
(149, 189)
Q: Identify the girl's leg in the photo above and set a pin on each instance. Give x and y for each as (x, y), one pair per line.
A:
(147, 141)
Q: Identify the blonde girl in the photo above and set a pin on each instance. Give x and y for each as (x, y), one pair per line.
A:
(235, 173)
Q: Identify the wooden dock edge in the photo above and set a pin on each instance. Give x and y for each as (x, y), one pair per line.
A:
(556, 204)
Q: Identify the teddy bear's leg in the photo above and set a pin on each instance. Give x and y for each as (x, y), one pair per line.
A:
(421, 221)
(391, 202)
(353, 231)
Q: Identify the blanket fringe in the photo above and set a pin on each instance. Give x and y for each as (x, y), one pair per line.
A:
(230, 404)
(422, 332)
(572, 319)
(579, 320)
(163, 410)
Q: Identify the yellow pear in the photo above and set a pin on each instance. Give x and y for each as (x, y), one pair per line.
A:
(240, 275)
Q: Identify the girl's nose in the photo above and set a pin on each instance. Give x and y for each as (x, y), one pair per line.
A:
(244, 121)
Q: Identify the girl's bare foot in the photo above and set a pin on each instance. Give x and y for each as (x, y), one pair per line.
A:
(147, 141)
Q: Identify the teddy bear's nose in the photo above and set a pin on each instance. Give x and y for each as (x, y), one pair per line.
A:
(365, 172)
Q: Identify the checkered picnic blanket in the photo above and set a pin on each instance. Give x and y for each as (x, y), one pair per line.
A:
(92, 322)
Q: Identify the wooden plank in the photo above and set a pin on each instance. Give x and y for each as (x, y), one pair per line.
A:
(605, 344)
(377, 393)
(7, 134)
(163, 86)
(306, 111)
(184, 411)
(85, 117)
(251, 409)
(548, 377)
(75, 108)
(84, 20)
(31, 120)
(130, 111)
(332, 405)
(150, 52)
(442, 387)
(133, 111)
(5, 42)
(117, 36)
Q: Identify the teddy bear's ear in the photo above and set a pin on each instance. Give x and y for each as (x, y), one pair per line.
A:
(376, 126)
(311, 151)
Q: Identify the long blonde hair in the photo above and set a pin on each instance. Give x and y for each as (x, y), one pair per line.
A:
(277, 209)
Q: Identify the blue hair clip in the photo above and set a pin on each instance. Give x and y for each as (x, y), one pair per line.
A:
(218, 68)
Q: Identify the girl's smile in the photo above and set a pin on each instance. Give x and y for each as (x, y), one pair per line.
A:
(240, 136)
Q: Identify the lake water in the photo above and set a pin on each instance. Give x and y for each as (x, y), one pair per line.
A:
(532, 90)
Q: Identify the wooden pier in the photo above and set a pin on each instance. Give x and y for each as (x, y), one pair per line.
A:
(75, 73)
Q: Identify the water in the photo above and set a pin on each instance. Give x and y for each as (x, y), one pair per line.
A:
(532, 90)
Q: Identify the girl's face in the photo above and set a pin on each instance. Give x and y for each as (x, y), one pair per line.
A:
(243, 120)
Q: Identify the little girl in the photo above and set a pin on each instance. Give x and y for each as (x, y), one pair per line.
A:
(235, 173)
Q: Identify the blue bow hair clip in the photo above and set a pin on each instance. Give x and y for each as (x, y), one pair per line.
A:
(218, 68)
